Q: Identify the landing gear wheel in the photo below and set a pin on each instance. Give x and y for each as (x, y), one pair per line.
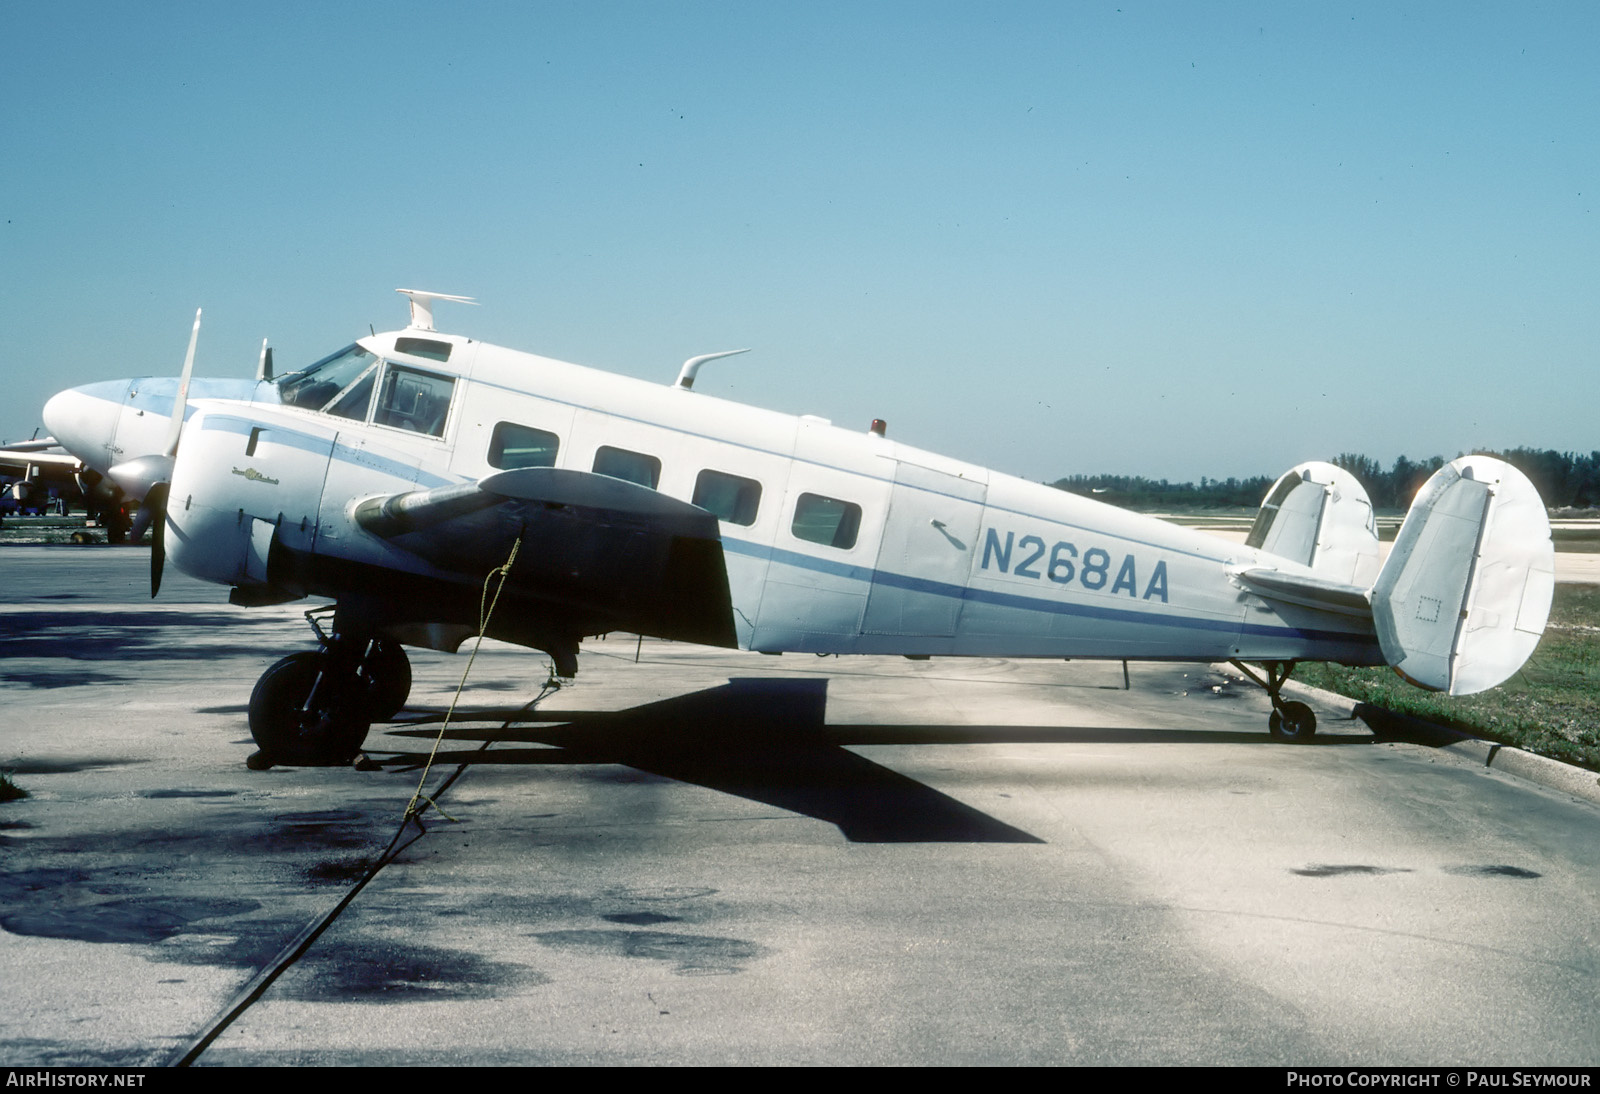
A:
(328, 734)
(387, 675)
(1293, 722)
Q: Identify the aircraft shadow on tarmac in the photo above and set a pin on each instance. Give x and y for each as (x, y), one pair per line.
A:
(768, 740)
(762, 739)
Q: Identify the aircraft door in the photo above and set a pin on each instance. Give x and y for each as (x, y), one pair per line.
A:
(925, 557)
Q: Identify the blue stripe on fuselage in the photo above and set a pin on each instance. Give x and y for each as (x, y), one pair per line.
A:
(310, 442)
(1028, 603)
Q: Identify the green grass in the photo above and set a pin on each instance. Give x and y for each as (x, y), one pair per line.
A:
(10, 791)
(1551, 707)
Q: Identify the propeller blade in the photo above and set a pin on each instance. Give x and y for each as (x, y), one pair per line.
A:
(180, 403)
(156, 505)
(264, 366)
(141, 521)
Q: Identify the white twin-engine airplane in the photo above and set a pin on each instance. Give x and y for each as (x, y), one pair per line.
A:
(394, 475)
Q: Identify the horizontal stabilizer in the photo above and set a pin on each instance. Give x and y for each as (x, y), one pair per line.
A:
(1308, 590)
(1465, 593)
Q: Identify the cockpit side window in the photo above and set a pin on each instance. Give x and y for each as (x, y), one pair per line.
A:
(413, 400)
(354, 400)
(320, 384)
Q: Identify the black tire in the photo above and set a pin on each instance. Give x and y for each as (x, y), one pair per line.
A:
(288, 734)
(1293, 722)
(387, 674)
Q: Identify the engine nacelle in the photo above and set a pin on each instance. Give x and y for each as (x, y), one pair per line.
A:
(217, 527)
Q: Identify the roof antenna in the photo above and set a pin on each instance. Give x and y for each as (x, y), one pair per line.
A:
(422, 306)
(692, 365)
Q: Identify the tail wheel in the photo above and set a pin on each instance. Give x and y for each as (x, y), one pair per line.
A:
(329, 733)
(387, 675)
(1293, 721)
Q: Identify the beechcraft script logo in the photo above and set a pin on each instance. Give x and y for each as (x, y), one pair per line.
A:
(254, 476)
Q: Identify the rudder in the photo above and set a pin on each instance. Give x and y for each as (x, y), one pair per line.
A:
(1463, 598)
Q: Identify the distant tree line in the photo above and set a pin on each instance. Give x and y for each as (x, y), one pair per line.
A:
(1135, 492)
(1564, 479)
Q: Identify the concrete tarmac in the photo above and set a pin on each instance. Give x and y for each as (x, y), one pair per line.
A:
(704, 857)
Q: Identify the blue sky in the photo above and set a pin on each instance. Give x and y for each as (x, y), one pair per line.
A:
(1162, 239)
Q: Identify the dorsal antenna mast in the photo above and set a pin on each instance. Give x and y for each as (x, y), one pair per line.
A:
(690, 367)
(422, 306)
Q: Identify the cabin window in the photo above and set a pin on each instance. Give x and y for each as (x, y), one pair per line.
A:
(413, 400)
(512, 446)
(423, 347)
(828, 521)
(728, 497)
(619, 463)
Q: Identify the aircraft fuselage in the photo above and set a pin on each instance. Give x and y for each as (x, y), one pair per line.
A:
(834, 541)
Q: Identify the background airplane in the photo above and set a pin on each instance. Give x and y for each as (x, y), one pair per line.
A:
(114, 439)
(393, 475)
(34, 472)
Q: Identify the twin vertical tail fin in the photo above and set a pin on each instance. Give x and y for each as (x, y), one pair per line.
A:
(1464, 595)
(1319, 516)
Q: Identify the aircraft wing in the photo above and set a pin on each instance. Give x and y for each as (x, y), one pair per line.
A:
(600, 553)
(21, 457)
(34, 463)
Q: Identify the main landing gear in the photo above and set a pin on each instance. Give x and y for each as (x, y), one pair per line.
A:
(313, 708)
(1290, 720)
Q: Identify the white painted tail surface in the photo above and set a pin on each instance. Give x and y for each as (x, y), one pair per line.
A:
(1319, 516)
(1463, 598)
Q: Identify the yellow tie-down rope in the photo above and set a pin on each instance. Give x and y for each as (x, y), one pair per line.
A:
(485, 611)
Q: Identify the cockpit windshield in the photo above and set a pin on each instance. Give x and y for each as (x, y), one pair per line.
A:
(340, 383)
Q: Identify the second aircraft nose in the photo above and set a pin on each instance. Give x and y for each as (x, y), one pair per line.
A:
(83, 420)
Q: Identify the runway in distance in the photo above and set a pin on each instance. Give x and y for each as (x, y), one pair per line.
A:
(395, 474)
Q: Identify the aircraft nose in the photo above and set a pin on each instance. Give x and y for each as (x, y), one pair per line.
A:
(83, 420)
